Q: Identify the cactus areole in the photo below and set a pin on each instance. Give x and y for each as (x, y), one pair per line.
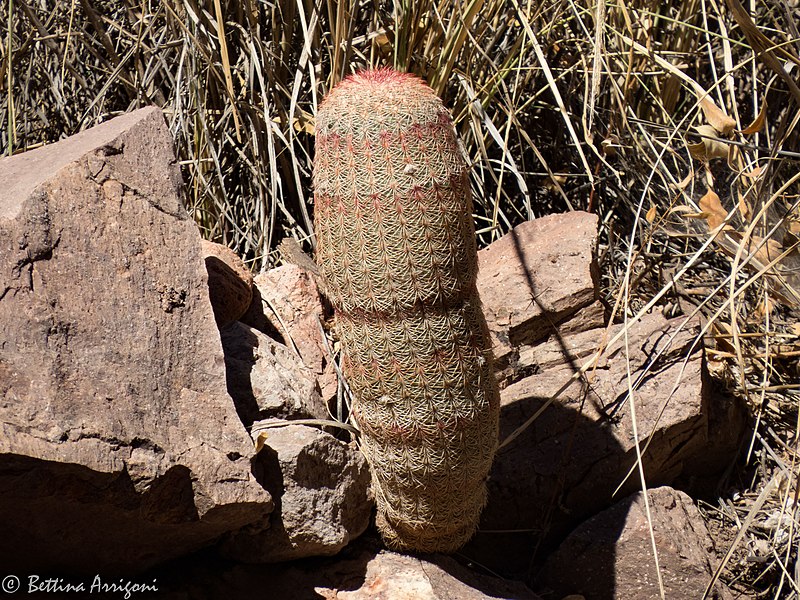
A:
(396, 247)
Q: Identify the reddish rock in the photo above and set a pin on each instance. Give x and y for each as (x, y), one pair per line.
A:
(119, 446)
(569, 341)
(290, 305)
(391, 576)
(568, 462)
(266, 379)
(362, 571)
(321, 491)
(536, 276)
(610, 556)
(586, 318)
(230, 282)
(589, 427)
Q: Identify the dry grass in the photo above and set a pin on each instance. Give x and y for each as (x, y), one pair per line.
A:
(676, 122)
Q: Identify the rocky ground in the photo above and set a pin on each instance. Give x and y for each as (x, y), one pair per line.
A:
(161, 409)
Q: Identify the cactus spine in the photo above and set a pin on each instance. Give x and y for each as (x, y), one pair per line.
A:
(396, 247)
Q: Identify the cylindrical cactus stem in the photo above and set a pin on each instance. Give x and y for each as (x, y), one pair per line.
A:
(396, 248)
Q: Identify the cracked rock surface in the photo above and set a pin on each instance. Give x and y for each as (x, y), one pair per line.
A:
(119, 445)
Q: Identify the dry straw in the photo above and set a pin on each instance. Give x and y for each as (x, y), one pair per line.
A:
(396, 246)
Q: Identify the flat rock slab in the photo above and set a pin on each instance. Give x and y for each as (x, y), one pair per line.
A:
(321, 491)
(119, 445)
(567, 464)
(610, 556)
(362, 571)
(572, 457)
(537, 275)
(392, 576)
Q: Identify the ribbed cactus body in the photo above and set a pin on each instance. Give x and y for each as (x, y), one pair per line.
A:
(396, 247)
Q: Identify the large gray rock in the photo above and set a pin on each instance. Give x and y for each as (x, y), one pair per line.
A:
(119, 446)
(610, 556)
(321, 491)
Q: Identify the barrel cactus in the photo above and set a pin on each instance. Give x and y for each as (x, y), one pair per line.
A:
(396, 248)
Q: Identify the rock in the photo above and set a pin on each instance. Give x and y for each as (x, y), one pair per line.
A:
(610, 556)
(119, 446)
(230, 282)
(569, 341)
(266, 379)
(391, 576)
(288, 306)
(362, 571)
(589, 426)
(589, 317)
(291, 306)
(569, 461)
(320, 486)
(536, 276)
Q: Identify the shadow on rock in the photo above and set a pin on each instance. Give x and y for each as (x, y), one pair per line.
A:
(362, 571)
(562, 469)
(205, 576)
(574, 447)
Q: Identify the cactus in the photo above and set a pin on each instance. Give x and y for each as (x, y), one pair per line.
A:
(396, 249)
